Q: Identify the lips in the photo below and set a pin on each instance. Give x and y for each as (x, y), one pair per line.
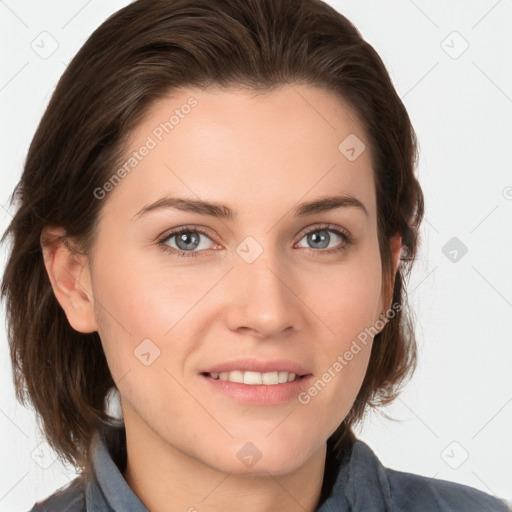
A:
(253, 381)
(258, 366)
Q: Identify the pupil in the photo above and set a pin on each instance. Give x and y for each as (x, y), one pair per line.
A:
(320, 238)
(183, 240)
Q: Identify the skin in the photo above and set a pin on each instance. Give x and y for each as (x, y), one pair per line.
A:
(260, 155)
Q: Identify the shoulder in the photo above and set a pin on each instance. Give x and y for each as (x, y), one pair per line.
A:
(70, 498)
(416, 492)
(365, 475)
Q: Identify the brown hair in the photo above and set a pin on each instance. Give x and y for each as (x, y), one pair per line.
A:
(142, 53)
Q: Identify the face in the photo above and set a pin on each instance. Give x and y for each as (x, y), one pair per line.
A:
(271, 290)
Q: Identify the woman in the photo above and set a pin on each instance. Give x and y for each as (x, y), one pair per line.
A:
(216, 218)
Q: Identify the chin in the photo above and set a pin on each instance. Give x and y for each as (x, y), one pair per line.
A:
(261, 456)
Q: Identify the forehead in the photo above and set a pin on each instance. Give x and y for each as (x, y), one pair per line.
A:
(249, 150)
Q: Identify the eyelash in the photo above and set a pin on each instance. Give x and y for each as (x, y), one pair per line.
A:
(345, 235)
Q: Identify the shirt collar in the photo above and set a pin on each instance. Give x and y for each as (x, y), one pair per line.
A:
(109, 490)
(361, 484)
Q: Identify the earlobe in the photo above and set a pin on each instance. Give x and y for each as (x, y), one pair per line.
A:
(69, 276)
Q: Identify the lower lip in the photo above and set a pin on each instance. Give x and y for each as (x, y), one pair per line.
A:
(259, 394)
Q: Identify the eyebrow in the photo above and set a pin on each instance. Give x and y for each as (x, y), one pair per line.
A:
(222, 211)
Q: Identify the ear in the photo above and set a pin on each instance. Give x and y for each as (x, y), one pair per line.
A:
(70, 278)
(396, 248)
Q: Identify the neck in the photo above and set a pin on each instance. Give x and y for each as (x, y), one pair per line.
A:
(166, 480)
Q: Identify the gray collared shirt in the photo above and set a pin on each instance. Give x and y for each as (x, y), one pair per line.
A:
(360, 483)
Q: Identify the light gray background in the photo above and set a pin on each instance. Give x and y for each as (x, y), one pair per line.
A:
(454, 419)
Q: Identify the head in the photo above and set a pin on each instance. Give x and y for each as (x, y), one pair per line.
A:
(257, 108)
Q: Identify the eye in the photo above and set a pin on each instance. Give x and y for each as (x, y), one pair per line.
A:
(191, 241)
(318, 237)
(187, 241)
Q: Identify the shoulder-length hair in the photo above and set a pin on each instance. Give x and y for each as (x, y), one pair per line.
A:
(140, 54)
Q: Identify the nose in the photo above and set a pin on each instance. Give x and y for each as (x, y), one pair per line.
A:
(264, 297)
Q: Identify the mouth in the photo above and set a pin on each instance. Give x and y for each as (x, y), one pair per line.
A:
(255, 378)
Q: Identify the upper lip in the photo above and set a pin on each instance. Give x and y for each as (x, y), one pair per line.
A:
(258, 365)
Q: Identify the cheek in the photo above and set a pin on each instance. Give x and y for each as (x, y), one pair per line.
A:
(348, 302)
(346, 298)
(142, 310)
(144, 296)
(130, 308)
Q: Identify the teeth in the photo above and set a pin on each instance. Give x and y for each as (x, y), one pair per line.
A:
(270, 378)
(252, 378)
(255, 378)
(235, 376)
